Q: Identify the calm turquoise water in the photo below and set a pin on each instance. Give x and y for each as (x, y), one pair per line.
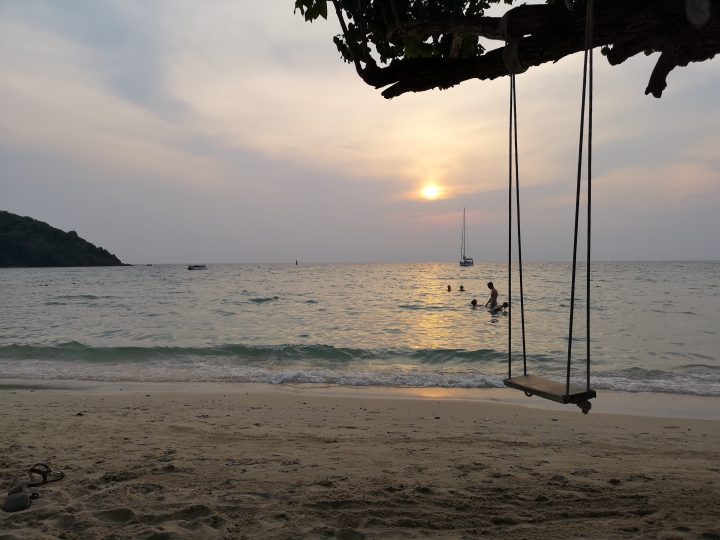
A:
(656, 326)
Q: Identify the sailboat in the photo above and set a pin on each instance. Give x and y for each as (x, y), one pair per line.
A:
(464, 260)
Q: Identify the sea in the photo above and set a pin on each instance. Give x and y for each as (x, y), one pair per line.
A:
(655, 326)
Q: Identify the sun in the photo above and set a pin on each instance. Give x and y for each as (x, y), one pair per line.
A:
(431, 192)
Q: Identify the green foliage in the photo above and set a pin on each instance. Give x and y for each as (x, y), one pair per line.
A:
(376, 27)
(27, 242)
(312, 9)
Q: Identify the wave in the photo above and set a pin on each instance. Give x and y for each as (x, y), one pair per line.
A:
(389, 378)
(74, 350)
(84, 297)
(422, 307)
(262, 300)
(691, 379)
(323, 364)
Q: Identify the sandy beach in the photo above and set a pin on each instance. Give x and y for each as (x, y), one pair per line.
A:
(243, 461)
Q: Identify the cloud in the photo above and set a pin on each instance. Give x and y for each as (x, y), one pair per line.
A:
(54, 102)
(660, 188)
(241, 107)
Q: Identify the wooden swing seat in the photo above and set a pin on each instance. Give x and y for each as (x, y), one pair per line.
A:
(552, 390)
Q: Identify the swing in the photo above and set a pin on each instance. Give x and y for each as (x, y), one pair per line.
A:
(532, 385)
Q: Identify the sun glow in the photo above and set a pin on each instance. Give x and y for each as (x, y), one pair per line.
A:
(431, 192)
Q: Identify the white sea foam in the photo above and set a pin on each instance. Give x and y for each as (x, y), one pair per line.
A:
(167, 371)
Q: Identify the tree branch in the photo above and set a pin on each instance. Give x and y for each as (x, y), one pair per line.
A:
(548, 33)
(487, 27)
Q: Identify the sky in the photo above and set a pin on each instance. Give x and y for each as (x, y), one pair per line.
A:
(177, 131)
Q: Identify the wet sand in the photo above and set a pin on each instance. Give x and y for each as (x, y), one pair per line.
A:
(249, 461)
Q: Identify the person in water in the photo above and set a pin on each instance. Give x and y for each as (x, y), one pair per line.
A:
(498, 309)
(492, 302)
(449, 288)
(473, 303)
(462, 289)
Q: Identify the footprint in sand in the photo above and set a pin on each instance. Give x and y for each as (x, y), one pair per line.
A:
(116, 515)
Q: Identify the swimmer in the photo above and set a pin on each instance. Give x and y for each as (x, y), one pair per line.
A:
(498, 309)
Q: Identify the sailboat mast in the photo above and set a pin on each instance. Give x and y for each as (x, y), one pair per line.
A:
(462, 242)
(464, 259)
(465, 242)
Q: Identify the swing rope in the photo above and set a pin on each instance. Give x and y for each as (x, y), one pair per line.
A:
(587, 95)
(587, 90)
(513, 152)
(510, 172)
(517, 203)
(589, 46)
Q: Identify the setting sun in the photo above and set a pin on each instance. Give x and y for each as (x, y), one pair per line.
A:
(431, 192)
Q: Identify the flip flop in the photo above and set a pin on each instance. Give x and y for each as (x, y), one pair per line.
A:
(19, 500)
(45, 474)
(19, 496)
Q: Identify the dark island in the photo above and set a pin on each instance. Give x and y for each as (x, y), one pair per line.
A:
(26, 242)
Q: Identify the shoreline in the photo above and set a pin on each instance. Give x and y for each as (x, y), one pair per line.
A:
(650, 404)
(228, 461)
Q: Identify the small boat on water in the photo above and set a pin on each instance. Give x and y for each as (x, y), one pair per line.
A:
(464, 259)
(197, 267)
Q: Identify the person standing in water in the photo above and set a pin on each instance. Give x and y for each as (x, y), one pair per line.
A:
(492, 302)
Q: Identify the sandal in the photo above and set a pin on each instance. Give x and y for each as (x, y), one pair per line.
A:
(20, 495)
(45, 474)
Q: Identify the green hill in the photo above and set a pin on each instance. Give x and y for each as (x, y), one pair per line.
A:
(25, 241)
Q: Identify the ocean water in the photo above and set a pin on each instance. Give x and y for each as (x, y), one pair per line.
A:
(655, 326)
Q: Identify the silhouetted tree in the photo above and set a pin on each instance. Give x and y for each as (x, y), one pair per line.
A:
(416, 45)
